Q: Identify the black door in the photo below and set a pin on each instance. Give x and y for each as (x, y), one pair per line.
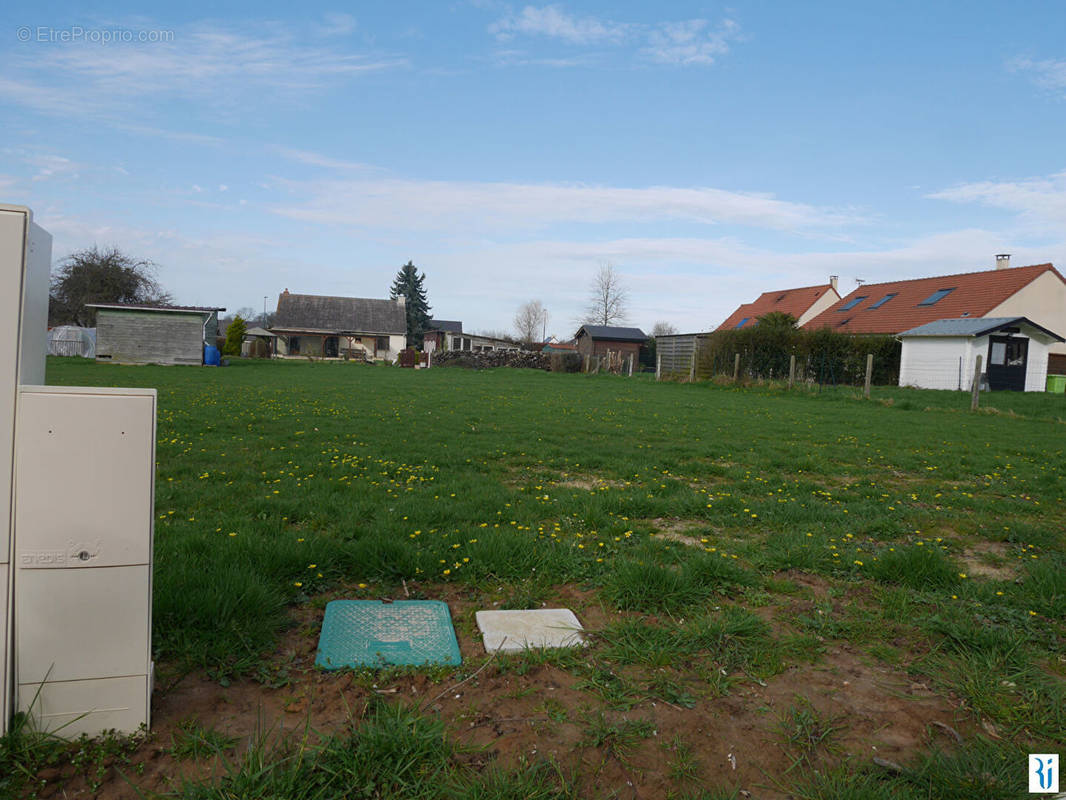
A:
(1007, 359)
(331, 349)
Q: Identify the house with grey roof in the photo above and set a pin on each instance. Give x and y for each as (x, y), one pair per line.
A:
(943, 354)
(318, 326)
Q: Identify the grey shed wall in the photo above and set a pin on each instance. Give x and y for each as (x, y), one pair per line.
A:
(151, 337)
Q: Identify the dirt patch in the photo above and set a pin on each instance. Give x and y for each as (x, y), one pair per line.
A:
(678, 530)
(591, 484)
(989, 560)
(513, 715)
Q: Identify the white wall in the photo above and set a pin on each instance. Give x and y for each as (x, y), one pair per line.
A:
(1043, 301)
(820, 305)
(934, 362)
(937, 362)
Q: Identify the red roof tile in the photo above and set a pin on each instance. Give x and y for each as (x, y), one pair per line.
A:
(789, 301)
(973, 294)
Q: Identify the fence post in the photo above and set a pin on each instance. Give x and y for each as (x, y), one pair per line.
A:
(869, 374)
(736, 368)
(791, 370)
(692, 364)
(975, 392)
(630, 365)
(597, 370)
(658, 364)
(588, 362)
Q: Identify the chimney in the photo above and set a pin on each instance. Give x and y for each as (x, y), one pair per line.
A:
(402, 301)
(1002, 260)
(286, 290)
(833, 282)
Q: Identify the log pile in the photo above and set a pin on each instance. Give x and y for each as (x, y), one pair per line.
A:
(519, 359)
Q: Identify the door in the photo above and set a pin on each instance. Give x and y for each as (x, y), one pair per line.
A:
(1008, 357)
(331, 347)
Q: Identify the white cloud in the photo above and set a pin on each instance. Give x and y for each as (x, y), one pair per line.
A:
(690, 42)
(553, 22)
(1040, 201)
(319, 160)
(682, 43)
(497, 208)
(217, 67)
(337, 24)
(1048, 74)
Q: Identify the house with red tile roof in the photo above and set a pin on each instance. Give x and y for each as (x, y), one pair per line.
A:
(1037, 292)
(803, 303)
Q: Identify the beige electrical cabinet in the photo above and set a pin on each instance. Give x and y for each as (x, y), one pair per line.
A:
(84, 482)
(25, 262)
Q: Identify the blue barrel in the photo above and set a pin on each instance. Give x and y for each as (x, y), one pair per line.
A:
(212, 356)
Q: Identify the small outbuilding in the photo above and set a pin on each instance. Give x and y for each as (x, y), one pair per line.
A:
(139, 334)
(943, 354)
(602, 340)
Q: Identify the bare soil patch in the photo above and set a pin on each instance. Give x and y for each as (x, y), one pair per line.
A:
(736, 739)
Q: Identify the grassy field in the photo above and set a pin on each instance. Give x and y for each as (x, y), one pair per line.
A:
(738, 554)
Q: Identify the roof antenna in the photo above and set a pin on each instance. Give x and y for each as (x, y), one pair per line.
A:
(859, 281)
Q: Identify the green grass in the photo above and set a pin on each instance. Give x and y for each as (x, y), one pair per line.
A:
(279, 484)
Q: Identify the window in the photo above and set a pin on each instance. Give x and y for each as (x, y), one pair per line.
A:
(999, 354)
(936, 297)
(741, 323)
(852, 303)
(382, 344)
(883, 300)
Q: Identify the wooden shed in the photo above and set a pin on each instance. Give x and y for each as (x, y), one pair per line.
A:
(137, 334)
(943, 354)
(601, 340)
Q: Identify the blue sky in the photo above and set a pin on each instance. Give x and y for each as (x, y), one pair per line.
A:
(708, 152)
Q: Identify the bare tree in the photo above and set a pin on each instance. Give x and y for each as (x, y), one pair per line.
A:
(608, 298)
(93, 275)
(530, 321)
(661, 328)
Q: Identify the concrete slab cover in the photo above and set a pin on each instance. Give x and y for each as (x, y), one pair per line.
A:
(369, 633)
(510, 631)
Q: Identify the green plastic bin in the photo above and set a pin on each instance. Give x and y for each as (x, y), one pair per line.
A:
(1056, 384)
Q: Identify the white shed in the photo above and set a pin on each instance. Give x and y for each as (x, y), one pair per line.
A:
(942, 354)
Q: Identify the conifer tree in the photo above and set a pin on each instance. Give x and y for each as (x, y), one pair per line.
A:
(408, 284)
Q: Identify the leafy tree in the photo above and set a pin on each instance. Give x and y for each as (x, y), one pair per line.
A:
(529, 322)
(235, 336)
(100, 276)
(408, 284)
(608, 298)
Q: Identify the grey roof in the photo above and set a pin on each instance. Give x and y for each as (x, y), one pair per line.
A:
(613, 332)
(979, 326)
(448, 325)
(259, 332)
(141, 307)
(309, 312)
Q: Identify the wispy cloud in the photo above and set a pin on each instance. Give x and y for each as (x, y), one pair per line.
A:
(553, 22)
(690, 42)
(467, 206)
(680, 43)
(319, 160)
(216, 67)
(1048, 74)
(1040, 201)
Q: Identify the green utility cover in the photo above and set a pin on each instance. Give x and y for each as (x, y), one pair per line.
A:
(370, 633)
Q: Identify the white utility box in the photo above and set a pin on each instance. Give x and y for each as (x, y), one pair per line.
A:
(25, 262)
(84, 484)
